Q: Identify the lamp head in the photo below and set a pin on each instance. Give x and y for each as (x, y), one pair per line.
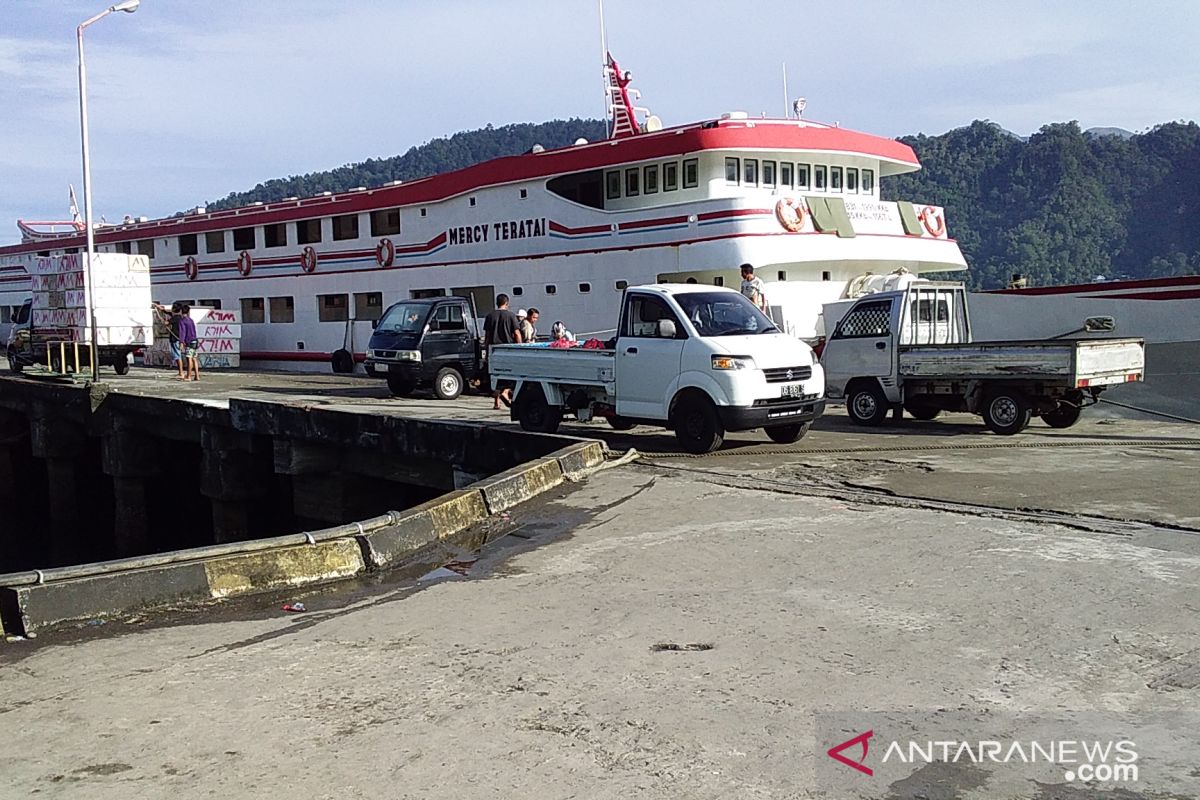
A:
(128, 6)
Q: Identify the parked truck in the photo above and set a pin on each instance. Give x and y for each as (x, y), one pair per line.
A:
(912, 349)
(428, 343)
(700, 360)
(53, 347)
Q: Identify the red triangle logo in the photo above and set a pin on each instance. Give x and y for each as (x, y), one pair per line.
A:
(835, 752)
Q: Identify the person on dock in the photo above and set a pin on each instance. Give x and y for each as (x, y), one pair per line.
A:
(501, 327)
(190, 342)
(528, 324)
(753, 289)
(170, 320)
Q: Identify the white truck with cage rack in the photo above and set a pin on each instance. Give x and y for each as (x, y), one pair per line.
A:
(701, 360)
(911, 349)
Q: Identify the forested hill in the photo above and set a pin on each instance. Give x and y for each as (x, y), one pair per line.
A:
(1062, 206)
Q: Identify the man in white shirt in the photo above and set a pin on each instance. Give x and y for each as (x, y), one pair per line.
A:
(753, 289)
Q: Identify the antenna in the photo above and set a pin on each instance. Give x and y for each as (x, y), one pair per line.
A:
(604, 63)
(786, 112)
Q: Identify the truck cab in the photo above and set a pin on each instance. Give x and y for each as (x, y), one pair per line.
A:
(428, 343)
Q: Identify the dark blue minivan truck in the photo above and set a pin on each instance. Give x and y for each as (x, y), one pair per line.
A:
(433, 343)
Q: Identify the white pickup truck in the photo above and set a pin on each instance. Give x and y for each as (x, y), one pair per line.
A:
(701, 360)
(912, 349)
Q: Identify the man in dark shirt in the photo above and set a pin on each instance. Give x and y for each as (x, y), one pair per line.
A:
(501, 327)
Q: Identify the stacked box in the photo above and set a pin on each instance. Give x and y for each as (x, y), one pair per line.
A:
(120, 298)
(220, 335)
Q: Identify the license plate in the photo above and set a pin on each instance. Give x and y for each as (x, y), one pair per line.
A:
(791, 390)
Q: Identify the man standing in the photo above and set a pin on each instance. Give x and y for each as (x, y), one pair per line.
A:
(501, 327)
(753, 289)
(190, 343)
(529, 326)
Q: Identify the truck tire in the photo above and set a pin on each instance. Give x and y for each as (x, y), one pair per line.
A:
(121, 366)
(1006, 412)
(621, 424)
(788, 434)
(1065, 415)
(534, 413)
(398, 386)
(921, 409)
(448, 384)
(14, 362)
(866, 404)
(697, 425)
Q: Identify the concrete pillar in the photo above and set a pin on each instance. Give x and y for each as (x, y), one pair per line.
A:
(131, 523)
(61, 443)
(132, 458)
(237, 475)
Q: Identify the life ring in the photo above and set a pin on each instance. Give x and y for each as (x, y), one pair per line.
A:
(791, 213)
(385, 253)
(245, 263)
(932, 221)
(308, 259)
(191, 268)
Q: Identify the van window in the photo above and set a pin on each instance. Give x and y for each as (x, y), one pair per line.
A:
(866, 319)
(22, 314)
(643, 314)
(450, 318)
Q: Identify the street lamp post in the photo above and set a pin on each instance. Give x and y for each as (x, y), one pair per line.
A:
(128, 6)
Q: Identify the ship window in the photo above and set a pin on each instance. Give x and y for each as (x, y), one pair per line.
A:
(483, 298)
(750, 172)
(819, 173)
(214, 242)
(718, 281)
(518, 291)
(333, 307)
(275, 235)
(691, 173)
(471, 201)
(650, 179)
(124, 247)
(424, 212)
(189, 244)
(612, 183)
(308, 231)
(670, 176)
(768, 173)
(283, 309)
(632, 179)
(802, 173)
(253, 310)
(551, 289)
(145, 247)
(868, 181)
(581, 187)
(786, 175)
(826, 275)
(368, 305)
(524, 193)
(584, 288)
(385, 222)
(345, 227)
(835, 179)
(213, 303)
(732, 171)
(781, 275)
(243, 238)
(621, 285)
(851, 180)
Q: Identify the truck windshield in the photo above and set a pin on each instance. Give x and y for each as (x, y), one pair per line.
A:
(403, 318)
(723, 314)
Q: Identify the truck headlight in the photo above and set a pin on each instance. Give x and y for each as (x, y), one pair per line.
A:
(732, 362)
(408, 355)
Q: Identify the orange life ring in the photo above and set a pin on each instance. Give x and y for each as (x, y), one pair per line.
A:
(308, 259)
(385, 253)
(191, 268)
(245, 263)
(791, 213)
(932, 221)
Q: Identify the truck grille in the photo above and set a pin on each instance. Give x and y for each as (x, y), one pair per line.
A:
(383, 353)
(787, 374)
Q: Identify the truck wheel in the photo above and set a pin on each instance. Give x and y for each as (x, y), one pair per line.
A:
(1065, 415)
(866, 404)
(621, 424)
(448, 384)
(14, 362)
(122, 366)
(1006, 412)
(534, 413)
(921, 409)
(697, 426)
(398, 386)
(788, 434)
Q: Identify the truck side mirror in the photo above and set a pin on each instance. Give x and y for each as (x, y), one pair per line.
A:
(1099, 324)
(666, 329)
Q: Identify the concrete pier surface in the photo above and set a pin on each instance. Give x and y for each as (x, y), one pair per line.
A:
(683, 627)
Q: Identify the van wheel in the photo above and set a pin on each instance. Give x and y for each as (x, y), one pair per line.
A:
(866, 404)
(921, 409)
(788, 434)
(534, 413)
(121, 366)
(1067, 412)
(1006, 412)
(398, 386)
(697, 426)
(14, 362)
(621, 424)
(448, 384)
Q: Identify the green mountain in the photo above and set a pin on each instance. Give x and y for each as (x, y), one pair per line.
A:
(1062, 206)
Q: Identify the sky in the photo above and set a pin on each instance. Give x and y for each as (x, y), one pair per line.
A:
(190, 100)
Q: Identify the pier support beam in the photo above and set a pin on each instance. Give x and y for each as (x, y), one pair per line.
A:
(236, 473)
(133, 459)
(61, 444)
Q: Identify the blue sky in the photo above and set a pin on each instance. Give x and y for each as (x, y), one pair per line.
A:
(192, 100)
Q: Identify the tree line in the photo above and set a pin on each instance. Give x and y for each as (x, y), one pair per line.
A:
(1063, 206)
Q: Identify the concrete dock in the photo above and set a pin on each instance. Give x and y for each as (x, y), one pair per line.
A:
(695, 627)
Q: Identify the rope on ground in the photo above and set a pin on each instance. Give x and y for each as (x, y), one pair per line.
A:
(629, 455)
(1148, 411)
(1188, 444)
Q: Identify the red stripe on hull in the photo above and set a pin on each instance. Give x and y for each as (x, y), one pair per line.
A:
(1115, 286)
